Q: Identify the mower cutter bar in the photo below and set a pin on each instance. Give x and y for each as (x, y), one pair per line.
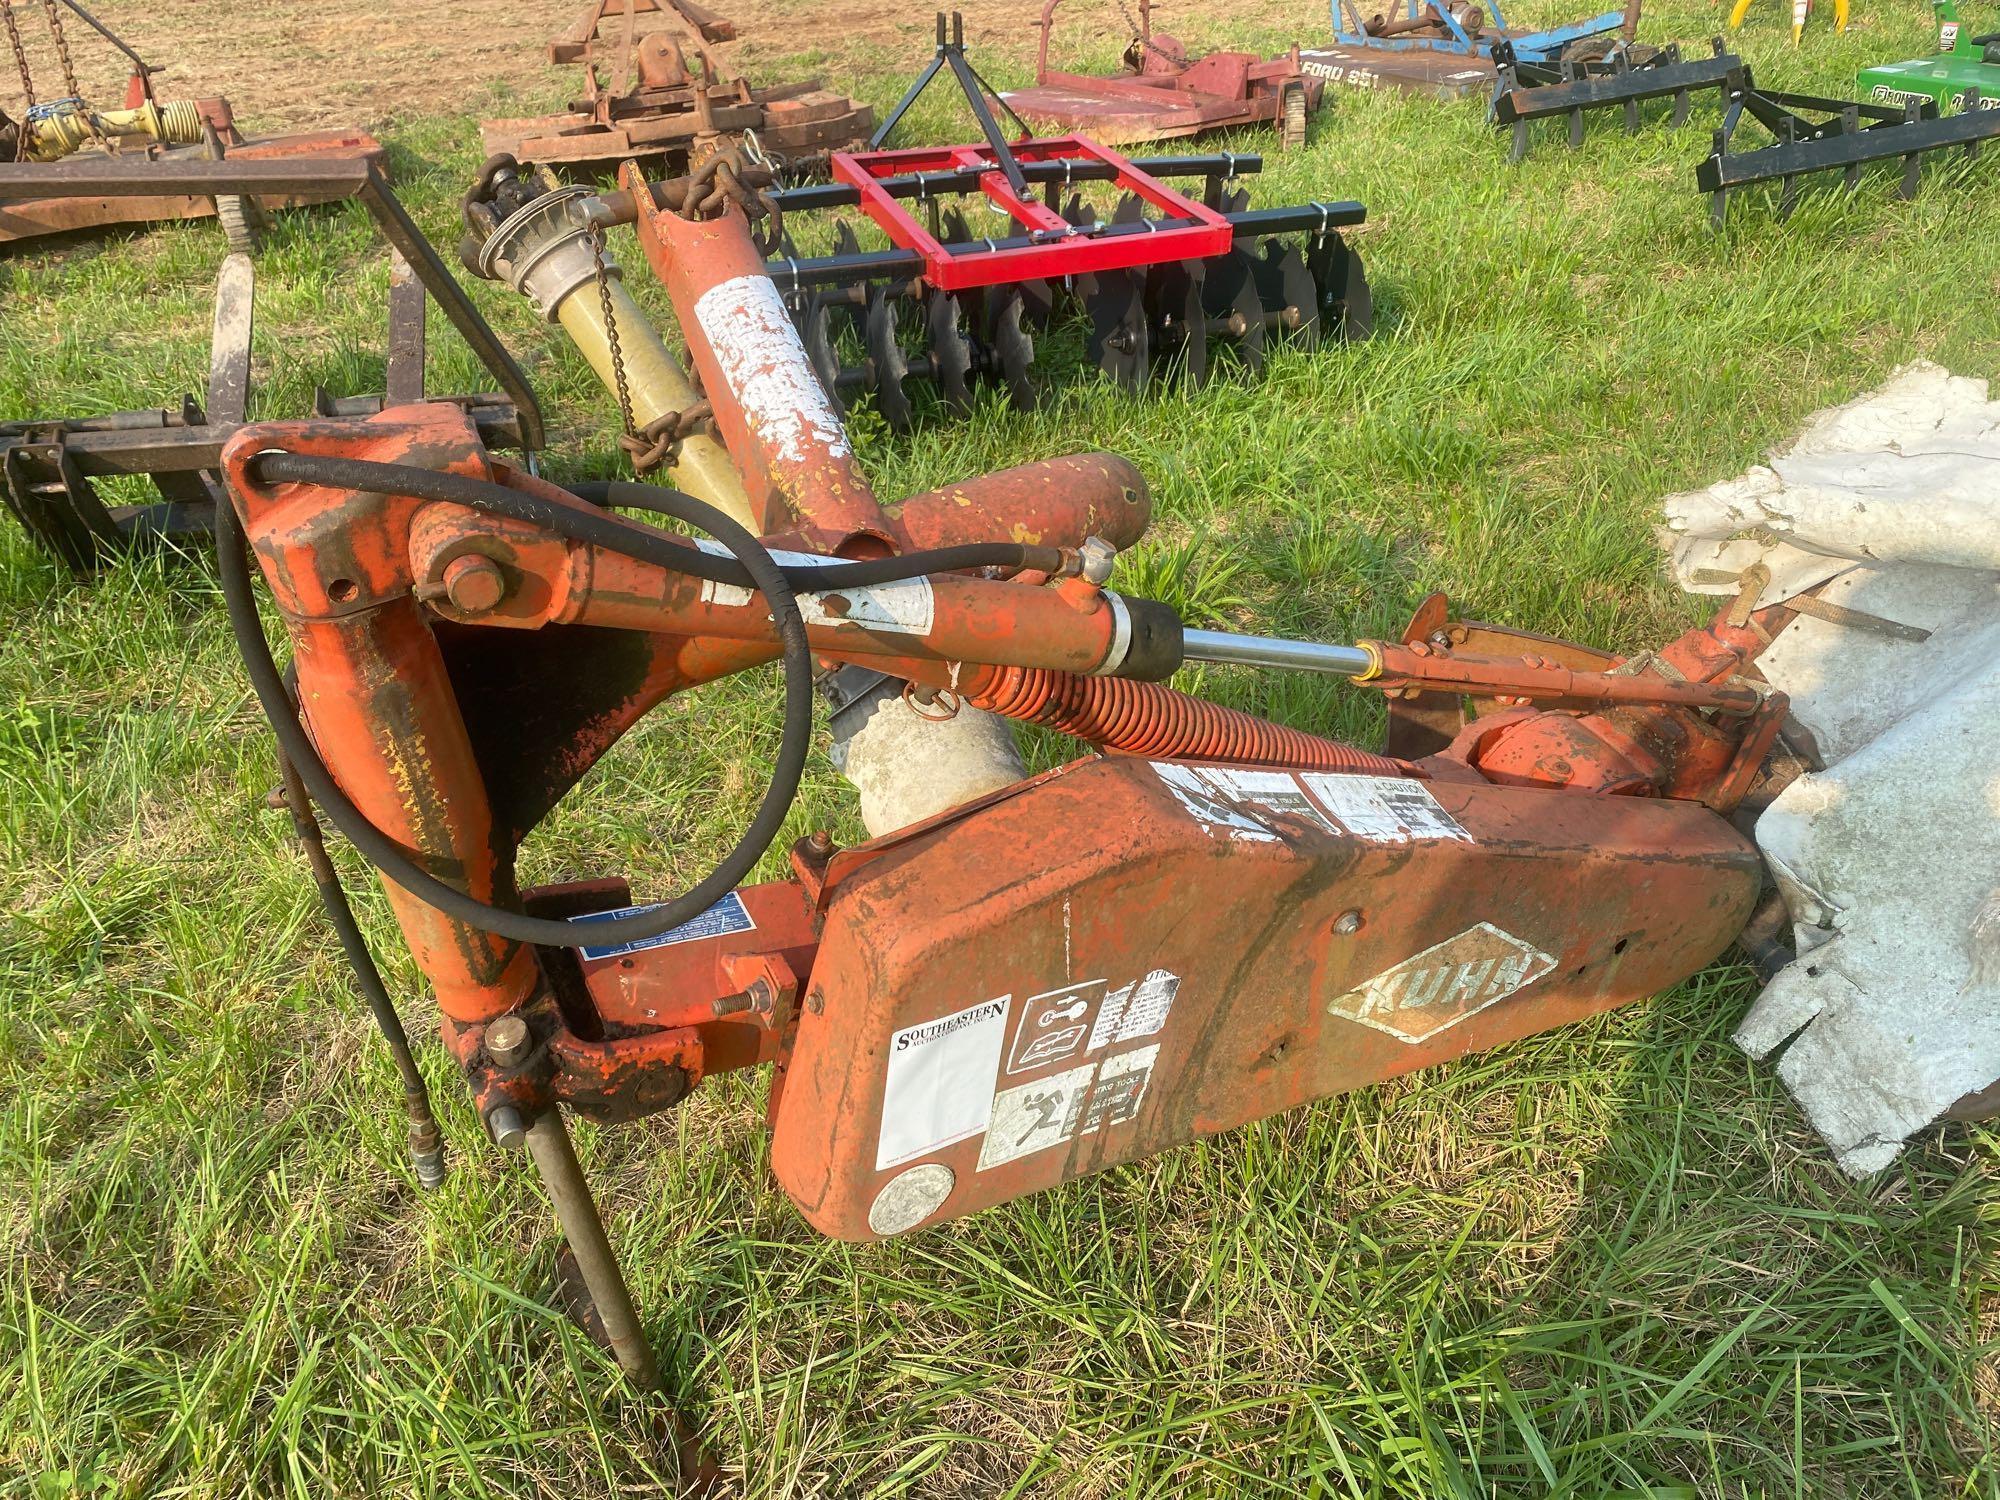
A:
(1839, 142)
(1535, 91)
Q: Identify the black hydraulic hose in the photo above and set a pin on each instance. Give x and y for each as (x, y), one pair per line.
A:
(617, 534)
(233, 559)
(851, 574)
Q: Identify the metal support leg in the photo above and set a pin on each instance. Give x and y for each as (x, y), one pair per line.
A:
(562, 1175)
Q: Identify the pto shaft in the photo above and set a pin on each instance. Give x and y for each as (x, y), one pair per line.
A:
(61, 127)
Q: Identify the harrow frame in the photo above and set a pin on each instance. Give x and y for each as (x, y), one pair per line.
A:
(1164, 283)
(1050, 247)
(48, 466)
(1840, 141)
(1528, 90)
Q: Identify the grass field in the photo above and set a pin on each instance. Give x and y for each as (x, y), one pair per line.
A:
(1606, 1261)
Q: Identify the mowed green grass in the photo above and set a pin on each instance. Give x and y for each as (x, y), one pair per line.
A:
(1606, 1261)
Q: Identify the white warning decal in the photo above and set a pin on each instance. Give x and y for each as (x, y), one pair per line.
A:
(938, 1088)
(1439, 987)
(1385, 809)
(1246, 805)
(907, 607)
(765, 366)
(1120, 1089)
(1053, 1026)
(1207, 801)
(1139, 1009)
(1034, 1116)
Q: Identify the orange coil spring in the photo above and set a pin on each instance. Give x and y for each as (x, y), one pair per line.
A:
(1147, 718)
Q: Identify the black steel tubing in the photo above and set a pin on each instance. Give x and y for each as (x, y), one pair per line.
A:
(101, 446)
(966, 180)
(1537, 101)
(1881, 142)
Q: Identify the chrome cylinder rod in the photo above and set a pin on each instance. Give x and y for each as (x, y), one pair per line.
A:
(1260, 651)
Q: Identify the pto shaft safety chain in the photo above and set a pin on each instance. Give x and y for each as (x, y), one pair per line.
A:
(27, 73)
(631, 433)
(1141, 38)
(69, 74)
(659, 441)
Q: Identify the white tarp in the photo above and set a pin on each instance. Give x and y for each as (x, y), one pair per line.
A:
(1889, 858)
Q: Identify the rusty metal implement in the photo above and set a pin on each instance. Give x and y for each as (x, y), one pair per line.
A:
(50, 467)
(1210, 918)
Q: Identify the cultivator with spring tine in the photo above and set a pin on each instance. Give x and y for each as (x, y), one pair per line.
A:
(1160, 276)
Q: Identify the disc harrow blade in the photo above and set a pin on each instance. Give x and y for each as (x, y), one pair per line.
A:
(950, 351)
(885, 358)
(817, 332)
(1013, 348)
(1289, 295)
(1235, 311)
(1179, 322)
(1346, 307)
(1120, 338)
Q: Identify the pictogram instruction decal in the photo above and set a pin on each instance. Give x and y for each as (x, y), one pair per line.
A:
(1431, 991)
(1032, 1117)
(907, 607)
(726, 916)
(938, 1087)
(1053, 1026)
(1248, 805)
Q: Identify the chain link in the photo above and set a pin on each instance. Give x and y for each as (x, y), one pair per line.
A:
(659, 441)
(27, 75)
(611, 330)
(69, 72)
(1140, 38)
(62, 48)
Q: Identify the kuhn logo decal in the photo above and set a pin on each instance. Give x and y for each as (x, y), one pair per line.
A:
(1439, 987)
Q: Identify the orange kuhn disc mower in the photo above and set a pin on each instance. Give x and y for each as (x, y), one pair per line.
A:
(1207, 919)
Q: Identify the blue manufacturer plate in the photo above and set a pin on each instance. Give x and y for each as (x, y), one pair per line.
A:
(726, 916)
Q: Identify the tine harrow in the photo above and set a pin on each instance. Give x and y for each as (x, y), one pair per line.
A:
(1622, 78)
(1810, 134)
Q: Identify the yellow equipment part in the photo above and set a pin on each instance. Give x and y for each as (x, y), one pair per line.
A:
(1800, 10)
(68, 126)
(658, 385)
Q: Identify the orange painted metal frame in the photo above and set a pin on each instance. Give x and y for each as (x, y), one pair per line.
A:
(1587, 826)
(923, 923)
